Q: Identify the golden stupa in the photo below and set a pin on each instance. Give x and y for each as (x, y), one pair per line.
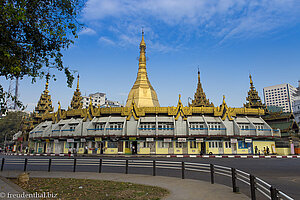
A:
(142, 93)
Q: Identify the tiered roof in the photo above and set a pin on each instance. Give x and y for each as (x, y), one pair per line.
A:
(76, 102)
(253, 99)
(200, 97)
(44, 104)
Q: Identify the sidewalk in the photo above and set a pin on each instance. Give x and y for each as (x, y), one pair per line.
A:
(7, 186)
(181, 189)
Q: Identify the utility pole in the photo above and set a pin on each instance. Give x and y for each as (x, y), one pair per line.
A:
(16, 93)
(13, 89)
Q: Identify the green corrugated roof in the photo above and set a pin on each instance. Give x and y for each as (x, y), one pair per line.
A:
(278, 116)
(281, 125)
(273, 109)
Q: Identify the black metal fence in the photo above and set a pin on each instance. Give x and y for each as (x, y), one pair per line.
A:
(255, 184)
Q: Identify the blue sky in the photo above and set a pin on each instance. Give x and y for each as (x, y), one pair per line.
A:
(227, 39)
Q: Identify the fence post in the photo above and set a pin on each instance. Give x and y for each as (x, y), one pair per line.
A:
(2, 165)
(252, 187)
(100, 165)
(182, 170)
(49, 166)
(25, 164)
(233, 176)
(154, 168)
(212, 171)
(273, 193)
(74, 167)
(126, 167)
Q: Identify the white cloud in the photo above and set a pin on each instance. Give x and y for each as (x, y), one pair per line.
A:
(87, 31)
(223, 19)
(106, 40)
(122, 94)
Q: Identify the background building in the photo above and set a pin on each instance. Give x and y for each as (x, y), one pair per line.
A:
(296, 105)
(98, 99)
(280, 95)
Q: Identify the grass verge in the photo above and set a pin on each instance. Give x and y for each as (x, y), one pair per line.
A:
(87, 189)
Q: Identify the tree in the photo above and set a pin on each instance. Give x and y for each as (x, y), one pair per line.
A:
(33, 34)
(10, 124)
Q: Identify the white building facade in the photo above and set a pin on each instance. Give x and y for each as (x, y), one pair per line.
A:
(98, 99)
(154, 134)
(280, 95)
(296, 106)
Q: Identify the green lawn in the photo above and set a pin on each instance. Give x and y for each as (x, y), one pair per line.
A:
(87, 189)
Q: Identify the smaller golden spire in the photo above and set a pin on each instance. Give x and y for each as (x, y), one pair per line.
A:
(200, 99)
(78, 82)
(198, 75)
(45, 104)
(253, 99)
(47, 82)
(77, 98)
(251, 82)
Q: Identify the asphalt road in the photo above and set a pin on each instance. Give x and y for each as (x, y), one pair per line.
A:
(283, 173)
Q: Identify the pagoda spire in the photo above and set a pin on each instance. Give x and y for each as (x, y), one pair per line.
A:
(253, 99)
(200, 97)
(76, 102)
(142, 93)
(45, 104)
(142, 59)
(47, 82)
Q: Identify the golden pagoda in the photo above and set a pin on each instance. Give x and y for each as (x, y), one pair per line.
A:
(200, 97)
(45, 104)
(253, 99)
(77, 98)
(142, 93)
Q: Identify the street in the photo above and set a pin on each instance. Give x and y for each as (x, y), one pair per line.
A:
(284, 174)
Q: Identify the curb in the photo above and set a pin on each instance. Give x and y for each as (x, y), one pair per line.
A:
(229, 156)
(168, 156)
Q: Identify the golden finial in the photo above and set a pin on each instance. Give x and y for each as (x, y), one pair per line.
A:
(91, 102)
(59, 107)
(142, 44)
(251, 82)
(198, 75)
(223, 99)
(47, 81)
(179, 100)
(78, 82)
